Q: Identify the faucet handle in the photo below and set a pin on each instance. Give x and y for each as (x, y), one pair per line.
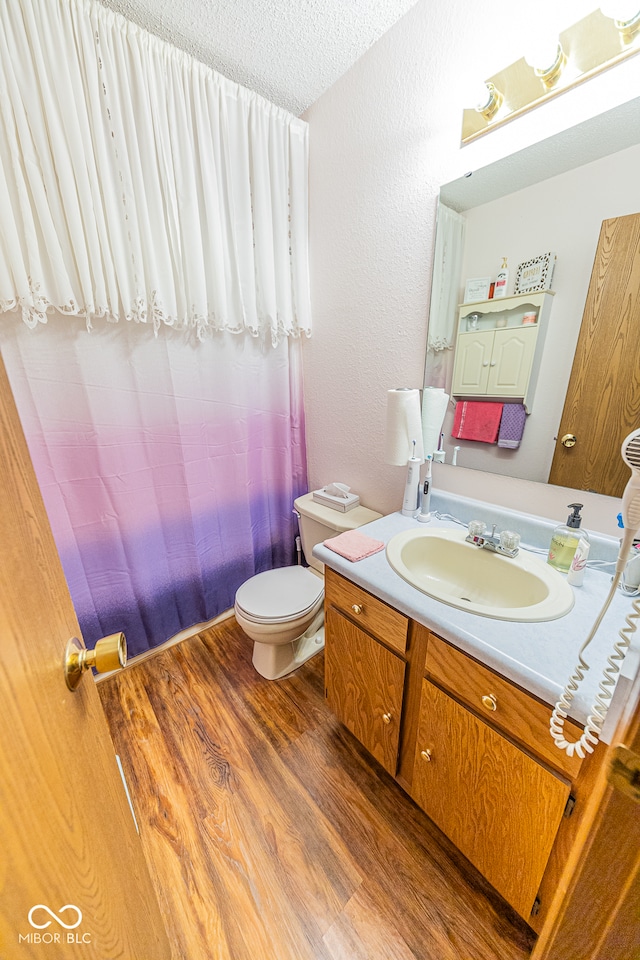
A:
(476, 529)
(509, 540)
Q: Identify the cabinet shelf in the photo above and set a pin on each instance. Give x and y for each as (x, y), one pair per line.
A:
(499, 348)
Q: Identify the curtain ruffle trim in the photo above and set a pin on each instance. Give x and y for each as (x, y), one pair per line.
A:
(439, 344)
(34, 310)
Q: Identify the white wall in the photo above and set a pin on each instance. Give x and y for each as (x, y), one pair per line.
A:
(383, 139)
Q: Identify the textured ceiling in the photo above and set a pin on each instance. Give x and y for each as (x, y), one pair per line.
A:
(290, 51)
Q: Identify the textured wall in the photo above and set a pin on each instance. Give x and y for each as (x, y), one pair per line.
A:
(383, 139)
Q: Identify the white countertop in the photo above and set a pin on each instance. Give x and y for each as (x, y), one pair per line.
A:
(540, 657)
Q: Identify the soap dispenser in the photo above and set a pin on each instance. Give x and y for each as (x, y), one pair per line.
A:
(565, 540)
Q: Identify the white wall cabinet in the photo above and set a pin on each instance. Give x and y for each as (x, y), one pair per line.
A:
(497, 355)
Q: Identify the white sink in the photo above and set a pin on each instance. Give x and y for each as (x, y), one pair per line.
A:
(441, 564)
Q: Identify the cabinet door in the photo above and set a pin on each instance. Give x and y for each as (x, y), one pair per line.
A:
(363, 684)
(471, 369)
(511, 361)
(499, 806)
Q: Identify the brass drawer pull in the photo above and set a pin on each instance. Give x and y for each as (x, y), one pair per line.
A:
(490, 702)
(357, 609)
(426, 755)
(386, 718)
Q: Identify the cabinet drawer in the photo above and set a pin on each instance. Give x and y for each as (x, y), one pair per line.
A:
(374, 616)
(511, 710)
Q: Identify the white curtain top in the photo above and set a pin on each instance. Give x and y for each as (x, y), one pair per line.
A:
(445, 288)
(138, 183)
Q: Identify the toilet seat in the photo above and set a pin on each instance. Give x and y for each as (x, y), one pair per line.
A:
(279, 596)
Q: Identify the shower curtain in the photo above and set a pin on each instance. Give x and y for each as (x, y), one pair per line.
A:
(147, 197)
(168, 466)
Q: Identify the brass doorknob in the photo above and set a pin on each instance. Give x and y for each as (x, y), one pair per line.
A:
(386, 718)
(426, 755)
(569, 440)
(357, 609)
(490, 702)
(110, 653)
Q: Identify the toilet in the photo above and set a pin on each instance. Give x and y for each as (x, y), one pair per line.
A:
(282, 610)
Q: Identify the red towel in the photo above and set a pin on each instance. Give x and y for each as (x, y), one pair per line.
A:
(477, 420)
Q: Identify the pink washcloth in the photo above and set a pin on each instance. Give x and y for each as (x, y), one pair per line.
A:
(354, 545)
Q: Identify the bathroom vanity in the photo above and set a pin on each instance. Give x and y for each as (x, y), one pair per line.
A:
(456, 708)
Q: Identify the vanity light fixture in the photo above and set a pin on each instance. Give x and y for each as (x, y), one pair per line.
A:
(600, 40)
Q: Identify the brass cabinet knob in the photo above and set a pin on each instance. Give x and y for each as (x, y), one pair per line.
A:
(490, 702)
(426, 755)
(386, 718)
(110, 653)
(569, 440)
(357, 609)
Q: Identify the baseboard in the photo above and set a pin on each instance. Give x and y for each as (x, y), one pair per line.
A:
(178, 638)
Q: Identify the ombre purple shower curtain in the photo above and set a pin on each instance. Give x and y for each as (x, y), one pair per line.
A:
(168, 466)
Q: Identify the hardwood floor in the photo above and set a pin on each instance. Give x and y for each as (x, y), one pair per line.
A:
(269, 831)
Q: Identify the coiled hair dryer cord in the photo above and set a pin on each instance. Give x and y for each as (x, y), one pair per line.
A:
(631, 517)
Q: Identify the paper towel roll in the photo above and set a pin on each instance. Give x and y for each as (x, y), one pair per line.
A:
(404, 424)
(434, 407)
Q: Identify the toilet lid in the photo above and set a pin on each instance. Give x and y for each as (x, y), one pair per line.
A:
(276, 596)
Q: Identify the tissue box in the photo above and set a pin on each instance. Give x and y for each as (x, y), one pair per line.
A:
(337, 503)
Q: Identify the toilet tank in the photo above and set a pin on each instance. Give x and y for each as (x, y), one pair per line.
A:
(319, 522)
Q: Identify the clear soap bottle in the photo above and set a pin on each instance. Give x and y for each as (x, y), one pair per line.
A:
(565, 540)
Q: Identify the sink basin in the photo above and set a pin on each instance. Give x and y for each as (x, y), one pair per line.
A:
(441, 564)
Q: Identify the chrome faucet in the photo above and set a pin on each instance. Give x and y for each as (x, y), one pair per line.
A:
(505, 543)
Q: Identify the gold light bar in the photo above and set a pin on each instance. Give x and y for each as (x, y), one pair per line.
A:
(590, 46)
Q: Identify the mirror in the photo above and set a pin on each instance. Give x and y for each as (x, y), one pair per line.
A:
(552, 196)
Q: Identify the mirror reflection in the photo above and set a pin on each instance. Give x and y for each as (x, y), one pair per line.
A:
(562, 213)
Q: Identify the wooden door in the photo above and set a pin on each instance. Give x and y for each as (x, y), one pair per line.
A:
(511, 361)
(471, 369)
(73, 879)
(364, 684)
(499, 806)
(603, 399)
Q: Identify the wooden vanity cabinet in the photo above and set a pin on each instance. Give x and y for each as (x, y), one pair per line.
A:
(364, 679)
(500, 807)
(471, 748)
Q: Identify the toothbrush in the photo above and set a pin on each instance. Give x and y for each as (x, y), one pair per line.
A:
(425, 506)
(412, 486)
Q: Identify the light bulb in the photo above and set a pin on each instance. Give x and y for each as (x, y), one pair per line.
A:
(477, 95)
(546, 56)
(622, 11)
(541, 52)
(487, 99)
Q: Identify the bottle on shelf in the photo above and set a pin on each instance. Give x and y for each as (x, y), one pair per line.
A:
(502, 280)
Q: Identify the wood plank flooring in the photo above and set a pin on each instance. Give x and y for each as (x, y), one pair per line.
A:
(271, 834)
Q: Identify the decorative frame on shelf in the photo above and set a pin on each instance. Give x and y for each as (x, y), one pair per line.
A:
(535, 274)
(477, 289)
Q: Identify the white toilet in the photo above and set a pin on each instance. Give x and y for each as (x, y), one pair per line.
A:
(282, 610)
